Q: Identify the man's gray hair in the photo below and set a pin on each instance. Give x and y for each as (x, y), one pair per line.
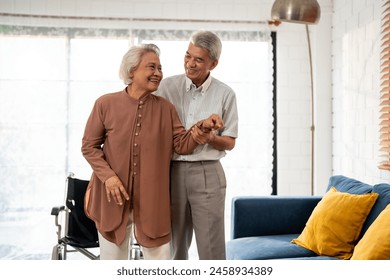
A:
(209, 41)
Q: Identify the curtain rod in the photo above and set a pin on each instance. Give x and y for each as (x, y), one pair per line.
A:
(133, 19)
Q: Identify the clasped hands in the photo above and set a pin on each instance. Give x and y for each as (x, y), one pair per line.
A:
(203, 131)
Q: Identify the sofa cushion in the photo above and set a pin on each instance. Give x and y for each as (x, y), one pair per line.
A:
(335, 224)
(375, 243)
(348, 185)
(265, 248)
(383, 200)
(316, 258)
(270, 215)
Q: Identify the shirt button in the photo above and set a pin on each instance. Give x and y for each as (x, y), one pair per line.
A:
(141, 102)
(135, 173)
(139, 116)
(136, 134)
(138, 124)
(135, 144)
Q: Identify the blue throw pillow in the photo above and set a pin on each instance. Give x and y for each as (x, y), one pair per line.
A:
(382, 201)
(348, 185)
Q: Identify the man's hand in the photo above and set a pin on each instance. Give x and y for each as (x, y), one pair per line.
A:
(212, 123)
(115, 189)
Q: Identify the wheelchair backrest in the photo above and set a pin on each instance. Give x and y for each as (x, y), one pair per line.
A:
(80, 227)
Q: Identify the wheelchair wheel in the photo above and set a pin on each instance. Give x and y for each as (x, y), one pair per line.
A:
(57, 253)
(136, 254)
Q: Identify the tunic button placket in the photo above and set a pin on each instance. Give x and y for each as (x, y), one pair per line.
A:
(136, 145)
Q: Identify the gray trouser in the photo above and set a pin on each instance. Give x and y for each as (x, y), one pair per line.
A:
(198, 191)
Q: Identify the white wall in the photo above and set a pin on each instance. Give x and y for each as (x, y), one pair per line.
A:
(294, 105)
(169, 9)
(293, 66)
(355, 86)
(345, 46)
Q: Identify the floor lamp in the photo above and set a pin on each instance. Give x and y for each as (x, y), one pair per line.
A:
(303, 12)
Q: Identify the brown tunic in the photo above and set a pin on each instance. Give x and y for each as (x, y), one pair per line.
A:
(135, 140)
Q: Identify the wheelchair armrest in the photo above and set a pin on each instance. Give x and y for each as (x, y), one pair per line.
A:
(57, 209)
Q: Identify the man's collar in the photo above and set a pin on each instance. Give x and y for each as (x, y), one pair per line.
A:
(203, 87)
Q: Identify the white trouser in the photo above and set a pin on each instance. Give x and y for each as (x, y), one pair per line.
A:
(111, 251)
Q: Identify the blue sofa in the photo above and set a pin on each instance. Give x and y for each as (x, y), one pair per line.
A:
(262, 227)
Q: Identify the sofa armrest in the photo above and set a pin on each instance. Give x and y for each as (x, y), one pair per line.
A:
(270, 215)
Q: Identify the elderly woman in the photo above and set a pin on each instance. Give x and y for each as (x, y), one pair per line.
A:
(129, 140)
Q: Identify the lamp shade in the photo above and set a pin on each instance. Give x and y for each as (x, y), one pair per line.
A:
(297, 11)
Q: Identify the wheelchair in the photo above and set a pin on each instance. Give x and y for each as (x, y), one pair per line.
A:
(75, 231)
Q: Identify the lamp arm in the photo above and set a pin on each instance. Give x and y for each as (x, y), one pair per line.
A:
(312, 127)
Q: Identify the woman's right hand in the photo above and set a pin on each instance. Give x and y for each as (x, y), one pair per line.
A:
(115, 189)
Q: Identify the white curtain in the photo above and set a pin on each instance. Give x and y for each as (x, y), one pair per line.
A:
(49, 79)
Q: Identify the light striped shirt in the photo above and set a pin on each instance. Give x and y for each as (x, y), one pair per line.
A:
(194, 104)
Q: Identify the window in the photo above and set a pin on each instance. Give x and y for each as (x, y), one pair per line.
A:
(49, 79)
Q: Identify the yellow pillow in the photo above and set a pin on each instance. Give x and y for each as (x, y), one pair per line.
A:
(375, 244)
(335, 223)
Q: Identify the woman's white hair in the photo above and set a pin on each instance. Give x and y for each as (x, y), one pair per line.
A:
(132, 59)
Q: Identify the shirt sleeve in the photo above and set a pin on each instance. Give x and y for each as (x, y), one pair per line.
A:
(93, 139)
(230, 116)
(183, 143)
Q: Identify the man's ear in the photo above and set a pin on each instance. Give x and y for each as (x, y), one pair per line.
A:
(214, 64)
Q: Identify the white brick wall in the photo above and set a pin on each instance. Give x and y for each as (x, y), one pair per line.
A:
(293, 68)
(172, 9)
(355, 68)
(346, 72)
(294, 105)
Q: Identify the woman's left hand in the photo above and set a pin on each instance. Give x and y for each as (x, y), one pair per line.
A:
(201, 137)
(115, 189)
